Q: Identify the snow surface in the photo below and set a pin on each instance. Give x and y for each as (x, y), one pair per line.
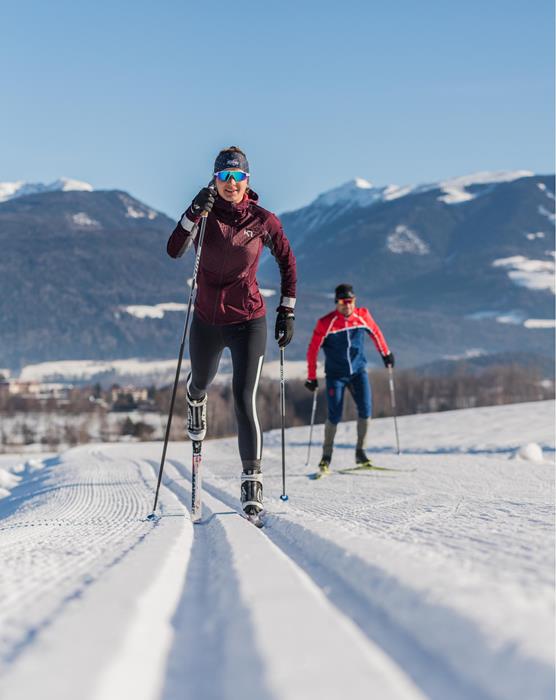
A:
(533, 236)
(515, 317)
(143, 311)
(136, 210)
(83, 220)
(549, 214)
(435, 582)
(455, 189)
(540, 323)
(91, 370)
(145, 372)
(362, 193)
(533, 274)
(11, 190)
(405, 240)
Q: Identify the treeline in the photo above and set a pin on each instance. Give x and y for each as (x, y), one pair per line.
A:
(415, 393)
(86, 414)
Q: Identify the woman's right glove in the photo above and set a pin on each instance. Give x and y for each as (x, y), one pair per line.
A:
(283, 330)
(312, 384)
(204, 201)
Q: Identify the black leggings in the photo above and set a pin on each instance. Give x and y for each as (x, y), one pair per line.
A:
(247, 343)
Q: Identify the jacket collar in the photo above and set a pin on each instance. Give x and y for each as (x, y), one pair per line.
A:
(233, 214)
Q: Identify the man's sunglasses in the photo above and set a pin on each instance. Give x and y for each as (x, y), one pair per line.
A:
(350, 300)
(225, 175)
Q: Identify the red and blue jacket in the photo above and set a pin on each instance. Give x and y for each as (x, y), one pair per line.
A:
(342, 339)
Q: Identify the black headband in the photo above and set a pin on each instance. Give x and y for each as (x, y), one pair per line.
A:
(231, 159)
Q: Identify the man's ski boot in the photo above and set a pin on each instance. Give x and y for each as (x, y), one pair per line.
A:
(252, 494)
(324, 467)
(361, 460)
(196, 418)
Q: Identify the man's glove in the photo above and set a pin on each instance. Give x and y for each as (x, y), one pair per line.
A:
(312, 384)
(388, 360)
(204, 201)
(283, 331)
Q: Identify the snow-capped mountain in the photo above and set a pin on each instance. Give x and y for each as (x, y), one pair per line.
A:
(440, 263)
(73, 261)
(10, 190)
(360, 193)
(446, 268)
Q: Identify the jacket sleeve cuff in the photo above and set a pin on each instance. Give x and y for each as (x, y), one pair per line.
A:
(188, 221)
(289, 302)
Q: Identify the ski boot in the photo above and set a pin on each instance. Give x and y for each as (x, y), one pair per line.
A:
(361, 459)
(252, 492)
(196, 418)
(324, 466)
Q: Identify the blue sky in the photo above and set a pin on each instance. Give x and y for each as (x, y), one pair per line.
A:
(141, 95)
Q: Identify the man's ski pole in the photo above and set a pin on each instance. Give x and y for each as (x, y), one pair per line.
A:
(313, 411)
(284, 496)
(393, 401)
(204, 215)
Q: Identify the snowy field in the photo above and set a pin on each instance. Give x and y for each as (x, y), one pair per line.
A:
(432, 582)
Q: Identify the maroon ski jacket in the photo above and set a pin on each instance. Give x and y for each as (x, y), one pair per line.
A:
(227, 288)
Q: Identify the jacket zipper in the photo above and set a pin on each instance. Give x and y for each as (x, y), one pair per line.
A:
(217, 299)
(348, 347)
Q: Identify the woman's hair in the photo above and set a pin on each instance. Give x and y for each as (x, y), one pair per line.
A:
(233, 149)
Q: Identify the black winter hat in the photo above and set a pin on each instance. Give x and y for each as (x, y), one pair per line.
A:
(344, 291)
(231, 158)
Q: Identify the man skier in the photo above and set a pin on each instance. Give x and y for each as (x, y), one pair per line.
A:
(341, 334)
(229, 308)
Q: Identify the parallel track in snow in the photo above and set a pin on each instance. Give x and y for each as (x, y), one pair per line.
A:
(278, 625)
(353, 596)
(434, 584)
(65, 535)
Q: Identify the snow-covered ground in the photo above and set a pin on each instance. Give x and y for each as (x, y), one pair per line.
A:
(435, 581)
(138, 371)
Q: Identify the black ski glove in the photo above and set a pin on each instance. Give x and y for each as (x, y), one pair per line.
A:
(283, 331)
(312, 384)
(388, 360)
(204, 201)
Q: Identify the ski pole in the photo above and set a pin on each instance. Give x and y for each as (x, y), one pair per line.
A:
(313, 411)
(204, 215)
(284, 496)
(393, 401)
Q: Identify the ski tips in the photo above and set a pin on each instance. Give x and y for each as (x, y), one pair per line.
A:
(153, 517)
(284, 497)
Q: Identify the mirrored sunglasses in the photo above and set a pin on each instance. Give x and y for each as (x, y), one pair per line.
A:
(225, 175)
(350, 300)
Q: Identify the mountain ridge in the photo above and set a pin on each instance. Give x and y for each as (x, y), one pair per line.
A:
(439, 277)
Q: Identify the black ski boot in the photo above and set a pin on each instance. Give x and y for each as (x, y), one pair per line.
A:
(252, 492)
(361, 459)
(196, 418)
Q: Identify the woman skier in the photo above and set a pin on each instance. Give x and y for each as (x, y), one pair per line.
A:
(229, 308)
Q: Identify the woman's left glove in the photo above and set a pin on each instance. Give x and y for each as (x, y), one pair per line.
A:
(283, 331)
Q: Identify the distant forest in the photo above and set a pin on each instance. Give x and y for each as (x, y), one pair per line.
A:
(415, 393)
(59, 424)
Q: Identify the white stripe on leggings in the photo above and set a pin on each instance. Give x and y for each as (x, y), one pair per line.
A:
(254, 405)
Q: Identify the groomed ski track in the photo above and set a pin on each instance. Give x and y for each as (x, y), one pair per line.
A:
(433, 584)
